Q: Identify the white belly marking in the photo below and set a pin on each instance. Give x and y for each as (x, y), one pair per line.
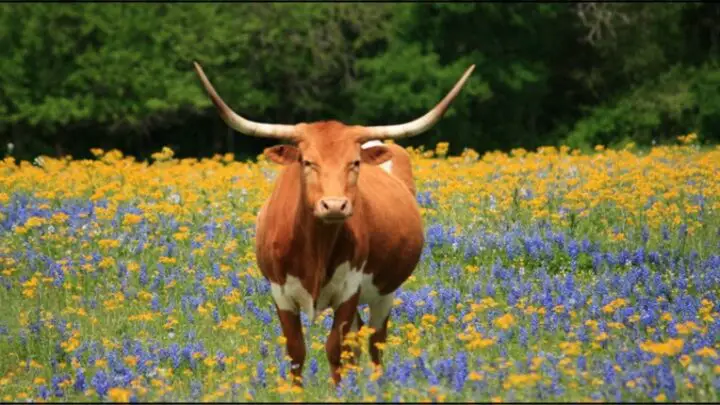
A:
(345, 282)
(291, 295)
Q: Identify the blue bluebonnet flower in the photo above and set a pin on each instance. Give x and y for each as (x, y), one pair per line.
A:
(100, 383)
(260, 374)
(313, 367)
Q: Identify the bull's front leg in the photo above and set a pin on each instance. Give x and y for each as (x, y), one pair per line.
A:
(295, 342)
(345, 315)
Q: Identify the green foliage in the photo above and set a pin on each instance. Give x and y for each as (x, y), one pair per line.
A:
(655, 80)
(120, 75)
(680, 101)
(403, 84)
(128, 68)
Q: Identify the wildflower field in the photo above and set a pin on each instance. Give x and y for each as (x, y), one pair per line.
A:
(546, 275)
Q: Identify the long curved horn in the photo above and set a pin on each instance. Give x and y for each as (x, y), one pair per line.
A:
(421, 124)
(239, 123)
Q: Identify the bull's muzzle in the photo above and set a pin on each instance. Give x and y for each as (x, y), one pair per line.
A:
(333, 209)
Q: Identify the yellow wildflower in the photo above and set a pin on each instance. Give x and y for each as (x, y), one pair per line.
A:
(505, 322)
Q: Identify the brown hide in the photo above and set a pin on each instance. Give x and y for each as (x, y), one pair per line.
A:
(385, 229)
(333, 204)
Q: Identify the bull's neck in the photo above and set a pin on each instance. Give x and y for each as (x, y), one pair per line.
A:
(319, 241)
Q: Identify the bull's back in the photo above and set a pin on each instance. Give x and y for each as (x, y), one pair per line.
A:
(402, 167)
(275, 228)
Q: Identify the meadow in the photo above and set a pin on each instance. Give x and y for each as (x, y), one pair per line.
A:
(546, 275)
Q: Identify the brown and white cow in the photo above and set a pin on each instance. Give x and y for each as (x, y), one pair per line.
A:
(341, 227)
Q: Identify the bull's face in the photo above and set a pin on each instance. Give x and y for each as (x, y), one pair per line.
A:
(330, 160)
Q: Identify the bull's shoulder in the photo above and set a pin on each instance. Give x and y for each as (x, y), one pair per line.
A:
(276, 240)
(278, 254)
(386, 194)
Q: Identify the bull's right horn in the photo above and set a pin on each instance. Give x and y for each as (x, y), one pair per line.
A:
(239, 123)
(421, 124)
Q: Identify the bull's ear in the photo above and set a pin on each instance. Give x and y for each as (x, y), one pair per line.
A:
(375, 155)
(283, 154)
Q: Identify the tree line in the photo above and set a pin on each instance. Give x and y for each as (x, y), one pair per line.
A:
(79, 76)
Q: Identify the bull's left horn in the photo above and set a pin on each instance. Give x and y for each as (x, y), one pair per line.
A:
(421, 124)
(239, 123)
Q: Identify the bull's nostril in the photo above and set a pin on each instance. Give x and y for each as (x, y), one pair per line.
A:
(342, 208)
(324, 205)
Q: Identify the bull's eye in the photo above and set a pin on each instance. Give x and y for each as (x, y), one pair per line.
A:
(307, 163)
(356, 163)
